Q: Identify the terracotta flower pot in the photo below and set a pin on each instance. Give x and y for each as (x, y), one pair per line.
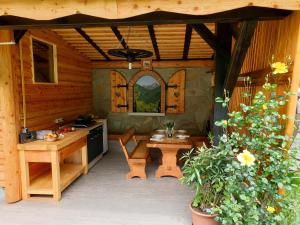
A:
(200, 218)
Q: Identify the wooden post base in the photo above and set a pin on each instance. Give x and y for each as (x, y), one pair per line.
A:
(169, 164)
(137, 169)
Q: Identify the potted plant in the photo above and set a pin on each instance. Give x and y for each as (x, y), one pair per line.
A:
(246, 178)
(169, 126)
(203, 170)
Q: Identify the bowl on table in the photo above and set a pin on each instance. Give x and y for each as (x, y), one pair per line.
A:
(181, 131)
(158, 136)
(182, 136)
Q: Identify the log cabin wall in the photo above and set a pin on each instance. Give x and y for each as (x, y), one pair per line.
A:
(69, 98)
(2, 181)
(278, 38)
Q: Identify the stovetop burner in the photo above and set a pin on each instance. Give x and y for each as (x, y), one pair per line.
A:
(84, 122)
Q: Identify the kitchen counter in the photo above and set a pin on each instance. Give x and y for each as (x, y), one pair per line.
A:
(59, 164)
(41, 145)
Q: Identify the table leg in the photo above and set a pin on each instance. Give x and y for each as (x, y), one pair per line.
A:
(84, 159)
(24, 175)
(169, 164)
(55, 175)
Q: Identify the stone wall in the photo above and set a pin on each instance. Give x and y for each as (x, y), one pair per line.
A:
(198, 101)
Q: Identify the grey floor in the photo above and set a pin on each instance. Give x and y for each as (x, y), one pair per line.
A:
(105, 197)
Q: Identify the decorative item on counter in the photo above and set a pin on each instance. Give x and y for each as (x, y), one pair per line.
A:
(40, 134)
(51, 137)
(169, 128)
(27, 136)
(66, 130)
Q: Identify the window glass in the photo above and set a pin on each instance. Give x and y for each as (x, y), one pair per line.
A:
(44, 65)
(147, 95)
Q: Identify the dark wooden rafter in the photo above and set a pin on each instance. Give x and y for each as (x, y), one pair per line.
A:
(154, 42)
(187, 41)
(211, 39)
(92, 43)
(18, 34)
(242, 44)
(119, 36)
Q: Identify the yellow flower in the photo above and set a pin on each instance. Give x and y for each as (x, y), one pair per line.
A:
(279, 67)
(246, 158)
(265, 107)
(270, 209)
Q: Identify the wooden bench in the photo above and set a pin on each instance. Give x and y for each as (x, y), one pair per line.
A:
(139, 156)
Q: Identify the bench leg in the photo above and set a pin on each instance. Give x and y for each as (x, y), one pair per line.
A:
(137, 170)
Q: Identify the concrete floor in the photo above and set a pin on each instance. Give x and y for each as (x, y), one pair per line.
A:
(105, 197)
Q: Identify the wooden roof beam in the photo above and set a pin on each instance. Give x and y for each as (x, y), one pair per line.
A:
(211, 39)
(119, 36)
(154, 42)
(156, 17)
(92, 43)
(187, 41)
(243, 42)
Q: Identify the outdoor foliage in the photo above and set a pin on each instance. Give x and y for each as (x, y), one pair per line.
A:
(249, 178)
(147, 93)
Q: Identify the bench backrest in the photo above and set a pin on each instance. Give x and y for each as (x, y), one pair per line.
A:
(124, 139)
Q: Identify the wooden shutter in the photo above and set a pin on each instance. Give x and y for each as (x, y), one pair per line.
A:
(175, 92)
(118, 87)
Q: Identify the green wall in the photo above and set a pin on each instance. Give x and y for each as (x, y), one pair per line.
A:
(198, 100)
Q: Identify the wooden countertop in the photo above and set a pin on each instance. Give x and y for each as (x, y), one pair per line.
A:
(41, 145)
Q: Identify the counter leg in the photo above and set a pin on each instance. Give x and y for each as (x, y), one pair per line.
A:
(24, 175)
(84, 159)
(55, 175)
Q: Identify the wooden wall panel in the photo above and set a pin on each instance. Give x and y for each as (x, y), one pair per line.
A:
(69, 98)
(176, 92)
(118, 94)
(45, 102)
(278, 38)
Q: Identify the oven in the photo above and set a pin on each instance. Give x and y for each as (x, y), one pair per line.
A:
(95, 143)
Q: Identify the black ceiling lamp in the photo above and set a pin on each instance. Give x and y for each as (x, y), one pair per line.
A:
(130, 54)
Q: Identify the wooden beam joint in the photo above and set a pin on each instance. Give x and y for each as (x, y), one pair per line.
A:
(18, 34)
(211, 39)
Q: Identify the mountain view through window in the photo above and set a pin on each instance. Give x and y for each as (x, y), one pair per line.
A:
(147, 94)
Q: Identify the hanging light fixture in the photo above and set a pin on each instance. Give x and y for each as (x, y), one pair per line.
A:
(129, 54)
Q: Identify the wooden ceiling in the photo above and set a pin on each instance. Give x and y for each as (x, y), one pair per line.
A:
(173, 41)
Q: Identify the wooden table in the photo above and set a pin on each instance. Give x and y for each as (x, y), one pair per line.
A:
(68, 160)
(169, 149)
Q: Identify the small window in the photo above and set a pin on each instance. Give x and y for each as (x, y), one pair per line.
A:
(44, 62)
(147, 95)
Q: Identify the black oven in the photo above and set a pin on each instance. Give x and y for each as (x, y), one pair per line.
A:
(95, 143)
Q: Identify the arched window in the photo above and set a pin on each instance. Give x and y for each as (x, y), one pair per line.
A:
(146, 93)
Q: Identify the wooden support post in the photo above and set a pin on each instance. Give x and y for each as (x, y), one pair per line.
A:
(10, 125)
(238, 55)
(84, 159)
(295, 84)
(225, 39)
(55, 167)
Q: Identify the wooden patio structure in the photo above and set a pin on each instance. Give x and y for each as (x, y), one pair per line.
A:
(234, 38)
